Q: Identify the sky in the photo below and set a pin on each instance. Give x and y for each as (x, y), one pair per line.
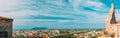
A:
(58, 14)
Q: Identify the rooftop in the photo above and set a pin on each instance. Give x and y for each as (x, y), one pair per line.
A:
(1, 17)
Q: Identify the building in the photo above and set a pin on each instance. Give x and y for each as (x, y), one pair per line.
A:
(44, 36)
(5, 27)
(112, 26)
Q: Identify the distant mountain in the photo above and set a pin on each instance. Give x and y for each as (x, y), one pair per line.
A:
(39, 28)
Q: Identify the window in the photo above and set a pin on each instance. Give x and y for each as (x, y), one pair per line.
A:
(3, 34)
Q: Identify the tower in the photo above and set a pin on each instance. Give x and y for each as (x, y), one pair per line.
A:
(111, 17)
(5, 27)
(112, 27)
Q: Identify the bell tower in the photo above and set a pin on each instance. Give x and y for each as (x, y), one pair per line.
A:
(111, 17)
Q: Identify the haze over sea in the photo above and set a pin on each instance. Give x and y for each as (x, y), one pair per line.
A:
(57, 14)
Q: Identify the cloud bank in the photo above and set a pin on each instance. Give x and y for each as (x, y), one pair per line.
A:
(56, 14)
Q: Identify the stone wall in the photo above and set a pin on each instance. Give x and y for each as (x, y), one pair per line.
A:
(6, 25)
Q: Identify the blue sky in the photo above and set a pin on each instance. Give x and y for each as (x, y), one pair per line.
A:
(57, 14)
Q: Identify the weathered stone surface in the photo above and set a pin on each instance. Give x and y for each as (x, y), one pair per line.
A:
(6, 25)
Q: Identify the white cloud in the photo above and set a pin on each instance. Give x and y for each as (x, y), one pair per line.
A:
(92, 16)
(8, 4)
(76, 4)
(18, 14)
(95, 5)
(92, 4)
